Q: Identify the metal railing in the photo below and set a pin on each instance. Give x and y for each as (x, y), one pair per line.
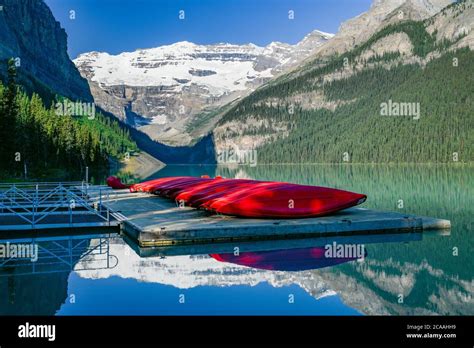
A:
(65, 204)
(60, 254)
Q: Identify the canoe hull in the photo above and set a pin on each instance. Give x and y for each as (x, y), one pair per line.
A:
(285, 201)
(249, 198)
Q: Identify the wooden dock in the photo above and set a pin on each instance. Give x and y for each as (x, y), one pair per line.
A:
(154, 221)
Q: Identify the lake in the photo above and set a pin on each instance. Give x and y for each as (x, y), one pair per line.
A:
(405, 274)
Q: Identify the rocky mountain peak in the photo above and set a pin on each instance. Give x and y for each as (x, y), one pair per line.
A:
(159, 90)
(30, 33)
(381, 13)
(314, 40)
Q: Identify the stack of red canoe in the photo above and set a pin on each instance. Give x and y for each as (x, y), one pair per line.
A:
(248, 198)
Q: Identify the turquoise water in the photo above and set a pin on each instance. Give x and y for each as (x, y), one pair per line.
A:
(429, 273)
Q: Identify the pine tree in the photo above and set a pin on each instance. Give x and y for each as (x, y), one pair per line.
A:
(8, 116)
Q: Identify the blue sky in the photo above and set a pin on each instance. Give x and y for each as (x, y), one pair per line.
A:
(118, 296)
(116, 26)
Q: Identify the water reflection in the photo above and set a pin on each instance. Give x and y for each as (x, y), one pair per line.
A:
(38, 285)
(80, 265)
(408, 273)
(58, 254)
(293, 260)
(433, 276)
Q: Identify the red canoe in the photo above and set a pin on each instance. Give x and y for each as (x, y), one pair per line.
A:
(249, 198)
(188, 192)
(196, 198)
(169, 189)
(237, 192)
(155, 186)
(146, 186)
(116, 184)
(285, 201)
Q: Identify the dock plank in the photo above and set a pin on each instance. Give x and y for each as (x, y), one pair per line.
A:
(155, 221)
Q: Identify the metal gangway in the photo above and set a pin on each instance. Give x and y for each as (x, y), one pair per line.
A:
(50, 205)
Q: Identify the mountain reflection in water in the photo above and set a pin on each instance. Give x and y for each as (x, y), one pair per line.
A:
(432, 272)
(292, 260)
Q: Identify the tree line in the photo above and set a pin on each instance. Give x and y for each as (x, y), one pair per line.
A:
(355, 131)
(36, 140)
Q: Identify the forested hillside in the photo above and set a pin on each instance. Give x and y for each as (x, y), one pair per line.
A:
(331, 111)
(36, 140)
(445, 126)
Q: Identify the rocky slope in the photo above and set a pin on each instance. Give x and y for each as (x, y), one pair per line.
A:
(160, 90)
(346, 76)
(380, 14)
(456, 21)
(29, 33)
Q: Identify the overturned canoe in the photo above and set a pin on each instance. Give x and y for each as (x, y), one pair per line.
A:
(220, 189)
(249, 198)
(168, 190)
(154, 186)
(281, 200)
(186, 193)
(147, 186)
(116, 184)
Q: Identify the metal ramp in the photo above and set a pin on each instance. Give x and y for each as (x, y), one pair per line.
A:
(52, 205)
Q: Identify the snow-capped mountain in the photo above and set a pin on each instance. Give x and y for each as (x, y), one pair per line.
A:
(371, 287)
(187, 271)
(159, 90)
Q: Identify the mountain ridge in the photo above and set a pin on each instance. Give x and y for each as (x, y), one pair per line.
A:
(359, 29)
(308, 115)
(159, 90)
(33, 43)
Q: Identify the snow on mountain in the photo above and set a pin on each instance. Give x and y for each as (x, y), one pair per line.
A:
(369, 287)
(221, 68)
(185, 272)
(159, 90)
